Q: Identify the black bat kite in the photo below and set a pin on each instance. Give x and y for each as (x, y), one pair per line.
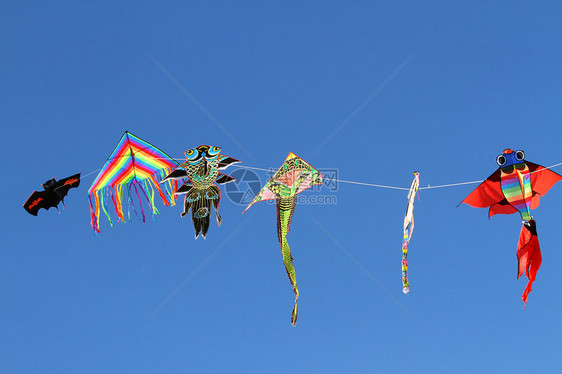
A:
(53, 193)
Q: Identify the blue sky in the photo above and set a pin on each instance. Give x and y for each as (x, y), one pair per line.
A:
(431, 86)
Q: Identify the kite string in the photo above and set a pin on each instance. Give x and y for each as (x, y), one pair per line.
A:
(428, 187)
(401, 188)
(368, 184)
(480, 181)
(90, 173)
(547, 167)
(448, 185)
(83, 176)
(331, 179)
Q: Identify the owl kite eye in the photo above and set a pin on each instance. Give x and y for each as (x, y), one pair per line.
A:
(520, 155)
(501, 160)
(214, 150)
(190, 154)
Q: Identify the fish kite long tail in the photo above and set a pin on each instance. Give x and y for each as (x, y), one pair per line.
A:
(405, 284)
(199, 201)
(528, 255)
(408, 230)
(285, 210)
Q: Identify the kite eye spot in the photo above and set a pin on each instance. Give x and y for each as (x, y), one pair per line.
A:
(501, 160)
(191, 154)
(520, 155)
(213, 150)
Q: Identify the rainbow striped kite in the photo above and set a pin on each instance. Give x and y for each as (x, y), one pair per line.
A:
(134, 166)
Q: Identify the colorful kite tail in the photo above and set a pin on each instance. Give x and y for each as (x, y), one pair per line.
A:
(528, 255)
(285, 210)
(288, 261)
(405, 284)
(122, 192)
(94, 218)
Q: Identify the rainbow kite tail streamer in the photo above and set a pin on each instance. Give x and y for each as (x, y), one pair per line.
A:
(405, 284)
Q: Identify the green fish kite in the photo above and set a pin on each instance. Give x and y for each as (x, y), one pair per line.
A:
(293, 177)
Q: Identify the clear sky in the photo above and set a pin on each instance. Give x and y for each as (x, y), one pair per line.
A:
(437, 87)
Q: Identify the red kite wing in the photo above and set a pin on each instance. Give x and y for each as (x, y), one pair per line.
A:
(487, 193)
(542, 180)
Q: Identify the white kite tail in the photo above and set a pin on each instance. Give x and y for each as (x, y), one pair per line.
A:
(408, 230)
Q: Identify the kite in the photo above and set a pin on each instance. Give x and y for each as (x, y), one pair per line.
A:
(409, 229)
(202, 171)
(516, 187)
(134, 166)
(53, 193)
(293, 177)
